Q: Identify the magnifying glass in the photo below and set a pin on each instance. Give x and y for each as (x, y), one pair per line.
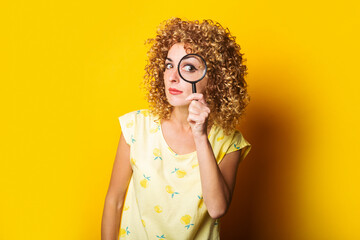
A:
(192, 68)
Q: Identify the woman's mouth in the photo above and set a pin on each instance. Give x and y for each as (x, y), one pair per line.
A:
(174, 91)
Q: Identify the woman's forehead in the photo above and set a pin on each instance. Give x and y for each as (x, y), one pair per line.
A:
(176, 52)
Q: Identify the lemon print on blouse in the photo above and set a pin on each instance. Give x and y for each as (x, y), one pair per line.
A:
(171, 191)
(155, 129)
(145, 113)
(133, 161)
(194, 164)
(160, 237)
(126, 207)
(179, 173)
(156, 126)
(220, 156)
(132, 139)
(220, 138)
(130, 124)
(157, 154)
(186, 219)
(201, 201)
(124, 232)
(145, 182)
(235, 146)
(143, 222)
(158, 209)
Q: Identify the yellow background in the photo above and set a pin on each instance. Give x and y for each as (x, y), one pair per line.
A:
(70, 68)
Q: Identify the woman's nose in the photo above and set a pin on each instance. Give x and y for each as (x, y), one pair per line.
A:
(174, 76)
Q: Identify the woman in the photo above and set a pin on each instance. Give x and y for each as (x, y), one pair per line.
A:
(175, 167)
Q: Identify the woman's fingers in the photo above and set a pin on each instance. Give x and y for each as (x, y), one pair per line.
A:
(198, 113)
(199, 118)
(196, 107)
(199, 103)
(196, 120)
(196, 96)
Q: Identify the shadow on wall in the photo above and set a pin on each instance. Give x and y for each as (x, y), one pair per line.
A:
(263, 205)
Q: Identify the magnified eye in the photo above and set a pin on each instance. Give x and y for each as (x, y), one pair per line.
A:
(190, 68)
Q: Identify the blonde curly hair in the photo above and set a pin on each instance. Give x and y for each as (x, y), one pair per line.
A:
(226, 90)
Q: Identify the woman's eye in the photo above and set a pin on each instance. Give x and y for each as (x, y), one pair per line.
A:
(168, 65)
(189, 68)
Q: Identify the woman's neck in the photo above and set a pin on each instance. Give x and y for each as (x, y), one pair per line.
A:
(179, 117)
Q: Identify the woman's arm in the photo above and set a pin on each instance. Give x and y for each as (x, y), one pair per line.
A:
(217, 181)
(115, 196)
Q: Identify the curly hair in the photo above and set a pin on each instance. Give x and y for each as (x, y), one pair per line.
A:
(226, 90)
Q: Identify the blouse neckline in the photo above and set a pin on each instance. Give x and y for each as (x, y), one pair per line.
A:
(171, 151)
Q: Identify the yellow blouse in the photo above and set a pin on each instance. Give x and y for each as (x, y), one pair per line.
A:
(164, 197)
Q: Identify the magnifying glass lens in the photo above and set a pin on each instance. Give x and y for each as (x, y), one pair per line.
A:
(192, 68)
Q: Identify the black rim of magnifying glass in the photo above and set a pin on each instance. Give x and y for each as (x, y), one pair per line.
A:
(192, 82)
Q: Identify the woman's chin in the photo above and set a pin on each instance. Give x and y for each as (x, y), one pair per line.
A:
(178, 103)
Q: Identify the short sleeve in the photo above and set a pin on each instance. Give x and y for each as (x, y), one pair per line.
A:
(127, 123)
(239, 143)
(223, 144)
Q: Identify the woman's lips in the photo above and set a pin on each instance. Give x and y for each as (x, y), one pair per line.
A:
(174, 91)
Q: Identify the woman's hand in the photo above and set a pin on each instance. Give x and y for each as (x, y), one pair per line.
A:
(198, 114)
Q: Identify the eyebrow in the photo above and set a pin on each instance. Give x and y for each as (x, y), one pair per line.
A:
(187, 57)
(169, 59)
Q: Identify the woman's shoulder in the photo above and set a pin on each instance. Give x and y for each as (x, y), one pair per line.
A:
(138, 117)
(220, 133)
(218, 136)
(136, 122)
(226, 143)
(142, 113)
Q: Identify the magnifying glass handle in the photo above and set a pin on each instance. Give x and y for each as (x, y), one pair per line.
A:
(194, 87)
